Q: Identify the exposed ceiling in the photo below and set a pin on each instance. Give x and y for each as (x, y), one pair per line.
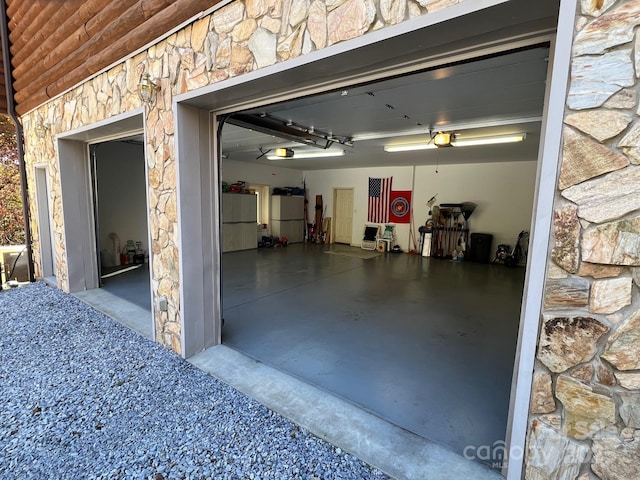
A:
(488, 96)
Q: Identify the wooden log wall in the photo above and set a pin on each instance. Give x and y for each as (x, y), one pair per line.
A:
(60, 26)
(16, 11)
(57, 44)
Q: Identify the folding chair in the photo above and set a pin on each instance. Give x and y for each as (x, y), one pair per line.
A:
(388, 237)
(370, 236)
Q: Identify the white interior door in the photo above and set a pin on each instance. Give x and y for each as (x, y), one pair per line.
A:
(343, 215)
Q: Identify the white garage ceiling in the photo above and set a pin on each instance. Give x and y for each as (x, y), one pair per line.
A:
(488, 96)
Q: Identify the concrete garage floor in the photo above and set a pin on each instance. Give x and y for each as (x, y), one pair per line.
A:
(132, 285)
(424, 343)
(381, 347)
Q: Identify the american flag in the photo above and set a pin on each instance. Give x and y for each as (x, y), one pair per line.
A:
(379, 194)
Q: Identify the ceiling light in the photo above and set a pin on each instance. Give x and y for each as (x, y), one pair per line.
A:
(453, 127)
(309, 154)
(360, 137)
(458, 142)
(283, 152)
(443, 139)
(409, 147)
(516, 137)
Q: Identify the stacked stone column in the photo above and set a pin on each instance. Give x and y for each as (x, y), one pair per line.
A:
(585, 406)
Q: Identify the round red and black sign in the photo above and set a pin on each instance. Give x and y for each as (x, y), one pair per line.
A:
(400, 206)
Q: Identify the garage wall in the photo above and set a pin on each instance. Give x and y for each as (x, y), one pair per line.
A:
(275, 176)
(122, 200)
(322, 182)
(503, 192)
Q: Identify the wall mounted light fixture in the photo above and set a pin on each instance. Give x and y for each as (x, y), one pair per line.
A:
(42, 128)
(147, 89)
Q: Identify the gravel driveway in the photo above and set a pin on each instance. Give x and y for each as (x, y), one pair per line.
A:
(81, 396)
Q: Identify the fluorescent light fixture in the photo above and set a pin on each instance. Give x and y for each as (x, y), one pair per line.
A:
(443, 127)
(310, 154)
(458, 142)
(518, 137)
(360, 137)
(409, 147)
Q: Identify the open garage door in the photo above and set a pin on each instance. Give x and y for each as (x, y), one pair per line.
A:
(427, 343)
(397, 291)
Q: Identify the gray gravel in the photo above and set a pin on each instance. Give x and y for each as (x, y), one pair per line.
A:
(83, 397)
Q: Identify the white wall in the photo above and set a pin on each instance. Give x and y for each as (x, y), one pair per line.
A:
(274, 176)
(503, 192)
(322, 182)
(122, 200)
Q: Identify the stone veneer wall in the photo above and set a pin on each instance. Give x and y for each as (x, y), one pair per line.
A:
(238, 38)
(585, 406)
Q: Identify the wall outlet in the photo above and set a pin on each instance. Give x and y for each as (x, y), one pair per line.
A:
(162, 304)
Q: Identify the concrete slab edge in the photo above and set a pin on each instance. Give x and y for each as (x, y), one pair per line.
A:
(393, 450)
(128, 314)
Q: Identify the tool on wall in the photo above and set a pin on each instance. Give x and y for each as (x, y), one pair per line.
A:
(430, 203)
(326, 230)
(318, 224)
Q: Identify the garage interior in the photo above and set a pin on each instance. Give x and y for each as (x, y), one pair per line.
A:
(426, 343)
(120, 206)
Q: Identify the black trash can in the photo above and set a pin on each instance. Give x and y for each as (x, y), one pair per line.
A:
(480, 248)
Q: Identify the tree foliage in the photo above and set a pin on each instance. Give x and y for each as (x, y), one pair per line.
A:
(11, 218)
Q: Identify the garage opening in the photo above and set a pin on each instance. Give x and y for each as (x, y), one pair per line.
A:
(425, 340)
(121, 212)
(104, 201)
(430, 43)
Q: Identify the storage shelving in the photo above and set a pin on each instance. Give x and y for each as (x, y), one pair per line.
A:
(239, 214)
(287, 217)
